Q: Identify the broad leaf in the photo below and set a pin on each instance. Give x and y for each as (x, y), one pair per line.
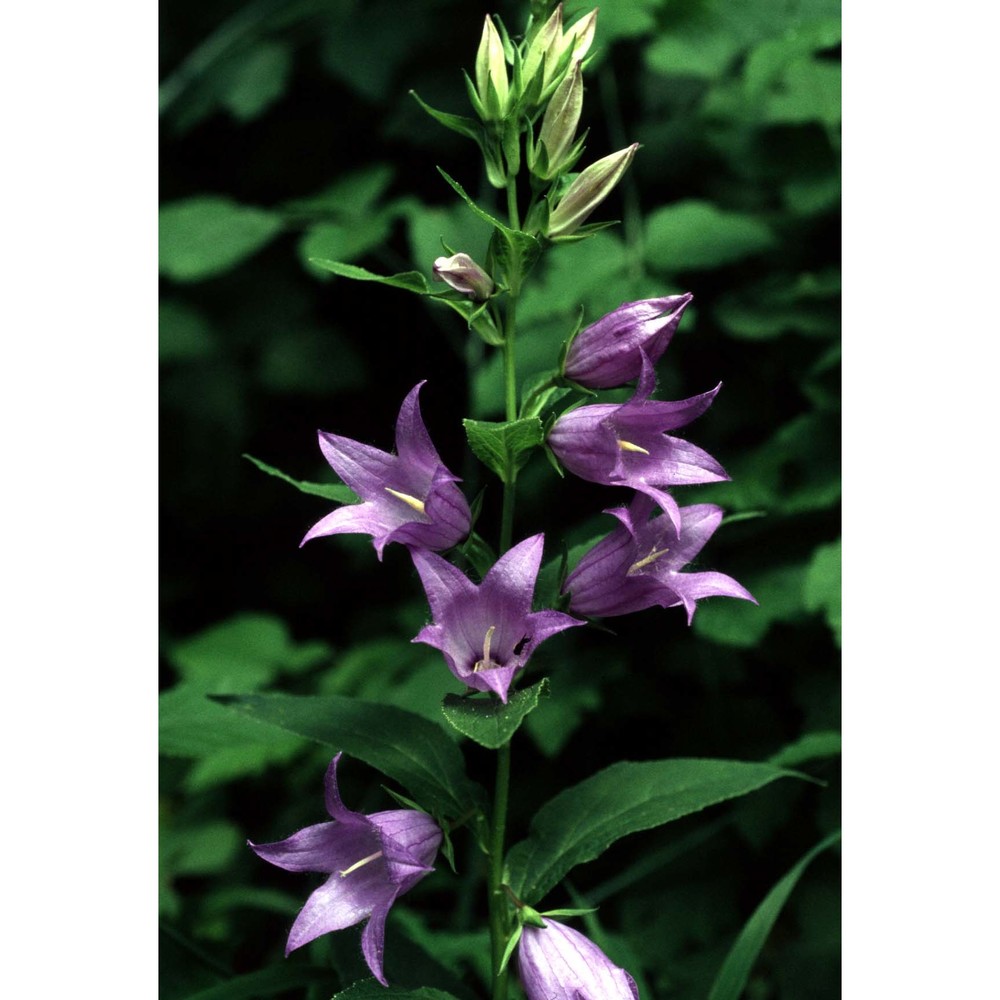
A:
(406, 747)
(504, 447)
(331, 491)
(204, 236)
(823, 587)
(580, 823)
(809, 746)
(735, 971)
(489, 722)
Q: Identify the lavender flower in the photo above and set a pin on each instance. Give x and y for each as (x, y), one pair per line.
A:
(556, 962)
(463, 274)
(409, 497)
(625, 444)
(608, 353)
(371, 860)
(487, 632)
(639, 564)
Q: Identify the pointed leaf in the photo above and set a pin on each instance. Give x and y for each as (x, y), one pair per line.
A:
(489, 722)
(331, 491)
(405, 746)
(468, 127)
(504, 447)
(411, 281)
(735, 971)
(581, 822)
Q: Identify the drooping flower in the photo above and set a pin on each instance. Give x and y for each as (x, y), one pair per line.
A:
(487, 632)
(409, 497)
(626, 444)
(371, 861)
(609, 353)
(556, 962)
(639, 564)
(463, 274)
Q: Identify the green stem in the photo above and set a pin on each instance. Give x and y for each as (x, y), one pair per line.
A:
(499, 927)
(515, 221)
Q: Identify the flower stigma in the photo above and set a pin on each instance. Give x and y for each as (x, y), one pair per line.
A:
(625, 446)
(641, 564)
(359, 864)
(486, 663)
(417, 505)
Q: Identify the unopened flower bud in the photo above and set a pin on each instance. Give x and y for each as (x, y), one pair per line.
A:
(588, 191)
(556, 962)
(464, 275)
(559, 126)
(548, 40)
(581, 35)
(491, 72)
(609, 353)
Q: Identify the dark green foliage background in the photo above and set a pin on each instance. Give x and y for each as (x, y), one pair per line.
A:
(287, 133)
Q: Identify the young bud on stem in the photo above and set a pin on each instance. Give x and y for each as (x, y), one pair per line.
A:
(588, 191)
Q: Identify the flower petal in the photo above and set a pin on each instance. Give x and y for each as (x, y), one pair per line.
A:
(334, 806)
(413, 443)
(351, 519)
(444, 584)
(410, 840)
(364, 468)
(325, 847)
(373, 939)
(692, 587)
(656, 416)
(341, 902)
(510, 582)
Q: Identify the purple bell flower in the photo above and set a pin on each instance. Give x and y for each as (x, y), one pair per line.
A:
(625, 444)
(609, 353)
(371, 860)
(556, 962)
(409, 497)
(487, 632)
(639, 564)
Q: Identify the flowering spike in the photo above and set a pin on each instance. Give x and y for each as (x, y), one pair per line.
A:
(463, 274)
(409, 497)
(588, 191)
(371, 861)
(487, 632)
(556, 962)
(625, 444)
(639, 564)
(609, 353)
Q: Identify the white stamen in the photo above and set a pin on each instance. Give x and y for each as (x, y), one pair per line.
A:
(486, 662)
(642, 563)
(417, 505)
(359, 864)
(628, 446)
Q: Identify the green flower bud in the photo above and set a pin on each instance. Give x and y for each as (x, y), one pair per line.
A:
(559, 127)
(549, 36)
(491, 73)
(588, 191)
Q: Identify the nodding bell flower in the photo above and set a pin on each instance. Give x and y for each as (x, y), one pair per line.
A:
(556, 962)
(464, 275)
(487, 632)
(409, 497)
(491, 73)
(371, 860)
(625, 444)
(587, 192)
(555, 151)
(639, 564)
(609, 353)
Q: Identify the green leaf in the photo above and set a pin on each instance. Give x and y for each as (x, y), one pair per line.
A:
(372, 989)
(207, 235)
(488, 721)
(823, 585)
(809, 746)
(735, 971)
(690, 235)
(468, 127)
(504, 447)
(331, 491)
(406, 747)
(581, 822)
(411, 281)
(185, 334)
(259, 80)
(265, 983)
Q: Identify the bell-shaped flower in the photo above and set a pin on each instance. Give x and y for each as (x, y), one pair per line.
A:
(487, 632)
(409, 497)
(626, 444)
(639, 564)
(609, 353)
(556, 962)
(371, 861)
(587, 191)
(463, 274)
